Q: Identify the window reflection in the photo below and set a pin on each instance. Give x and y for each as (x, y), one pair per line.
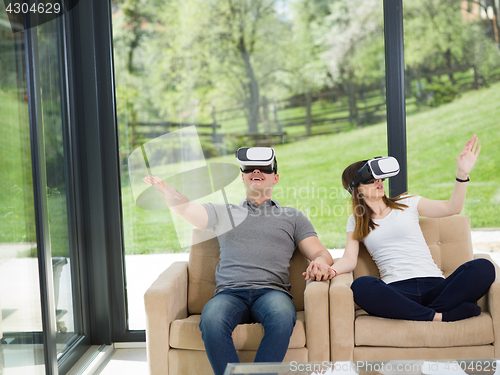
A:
(20, 320)
(21, 327)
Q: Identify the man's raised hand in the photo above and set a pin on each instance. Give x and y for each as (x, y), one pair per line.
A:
(171, 195)
(317, 271)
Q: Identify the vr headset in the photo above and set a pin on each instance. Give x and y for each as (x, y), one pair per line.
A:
(261, 158)
(375, 169)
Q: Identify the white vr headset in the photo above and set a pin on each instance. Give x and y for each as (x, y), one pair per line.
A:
(261, 158)
(375, 169)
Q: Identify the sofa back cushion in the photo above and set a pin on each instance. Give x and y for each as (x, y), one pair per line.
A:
(448, 238)
(203, 260)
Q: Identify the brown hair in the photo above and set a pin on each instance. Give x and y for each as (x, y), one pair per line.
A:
(362, 212)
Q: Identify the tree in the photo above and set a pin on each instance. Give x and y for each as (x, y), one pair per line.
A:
(134, 21)
(304, 69)
(480, 53)
(433, 38)
(353, 33)
(189, 57)
(213, 50)
(493, 15)
(438, 37)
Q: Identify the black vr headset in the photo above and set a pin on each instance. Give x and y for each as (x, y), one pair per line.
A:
(261, 158)
(375, 169)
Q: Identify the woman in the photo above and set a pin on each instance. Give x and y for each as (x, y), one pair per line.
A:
(411, 287)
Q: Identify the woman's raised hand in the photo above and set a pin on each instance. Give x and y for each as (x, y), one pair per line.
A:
(467, 158)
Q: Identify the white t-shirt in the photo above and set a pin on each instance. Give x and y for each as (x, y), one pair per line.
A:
(397, 245)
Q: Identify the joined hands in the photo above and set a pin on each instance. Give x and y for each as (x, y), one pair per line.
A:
(317, 271)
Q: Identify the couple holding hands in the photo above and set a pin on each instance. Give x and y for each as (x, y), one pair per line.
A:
(252, 275)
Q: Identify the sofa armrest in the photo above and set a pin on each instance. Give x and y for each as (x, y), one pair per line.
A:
(493, 303)
(317, 321)
(165, 301)
(342, 318)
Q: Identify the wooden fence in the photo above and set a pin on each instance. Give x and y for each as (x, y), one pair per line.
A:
(366, 105)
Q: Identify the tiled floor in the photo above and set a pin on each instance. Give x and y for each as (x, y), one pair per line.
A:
(126, 362)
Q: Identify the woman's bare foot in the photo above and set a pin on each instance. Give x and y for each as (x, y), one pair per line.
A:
(438, 317)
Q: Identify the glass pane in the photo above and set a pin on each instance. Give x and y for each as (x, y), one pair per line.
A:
(452, 93)
(57, 179)
(21, 317)
(305, 77)
(21, 320)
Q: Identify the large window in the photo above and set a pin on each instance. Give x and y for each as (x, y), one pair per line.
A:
(21, 315)
(306, 77)
(452, 77)
(40, 301)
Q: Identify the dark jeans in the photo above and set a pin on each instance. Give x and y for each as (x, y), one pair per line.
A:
(272, 308)
(421, 298)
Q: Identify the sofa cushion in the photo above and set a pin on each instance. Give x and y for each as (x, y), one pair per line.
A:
(186, 334)
(449, 239)
(374, 331)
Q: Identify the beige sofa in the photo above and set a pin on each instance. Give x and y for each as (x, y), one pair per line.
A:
(175, 300)
(357, 336)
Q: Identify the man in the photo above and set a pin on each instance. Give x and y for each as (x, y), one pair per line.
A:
(257, 238)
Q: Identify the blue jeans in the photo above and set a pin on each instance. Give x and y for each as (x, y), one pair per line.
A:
(421, 298)
(274, 309)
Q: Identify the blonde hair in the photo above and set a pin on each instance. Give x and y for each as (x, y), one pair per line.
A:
(363, 214)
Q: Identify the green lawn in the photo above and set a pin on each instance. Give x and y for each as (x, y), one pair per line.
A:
(310, 171)
(17, 217)
(16, 192)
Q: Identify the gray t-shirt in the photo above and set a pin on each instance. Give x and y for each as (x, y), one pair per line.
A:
(256, 243)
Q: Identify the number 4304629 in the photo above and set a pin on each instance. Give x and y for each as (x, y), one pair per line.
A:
(34, 8)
